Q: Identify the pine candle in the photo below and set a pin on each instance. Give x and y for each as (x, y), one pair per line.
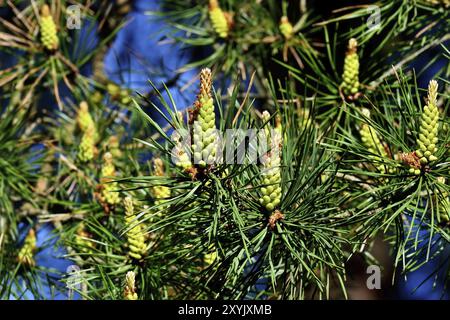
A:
(129, 292)
(372, 142)
(218, 19)
(350, 84)
(271, 192)
(110, 196)
(86, 124)
(286, 27)
(429, 126)
(26, 253)
(160, 193)
(203, 119)
(49, 36)
(135, 234)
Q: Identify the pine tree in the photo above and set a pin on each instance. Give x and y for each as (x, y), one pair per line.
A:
(334, 144)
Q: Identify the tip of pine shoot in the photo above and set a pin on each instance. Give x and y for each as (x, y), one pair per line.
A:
(213, 4)
(352, 45)
(432, 92)
(107, 157)
(84, 107)
(45, 10)
(205, 82)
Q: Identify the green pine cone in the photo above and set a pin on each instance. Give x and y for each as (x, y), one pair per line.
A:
(204, 125)
(350, 84)
(429, 126)
(135, 235)
(49, 36)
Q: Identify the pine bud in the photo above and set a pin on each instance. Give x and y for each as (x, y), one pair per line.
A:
(203, 119)
(350, 84)
(218, 19)
(49, 36)
(286, 27)
(129, 292)
(135, 234)
(160, 193)
(429, 126)
(110, 196)
(271, 172)
(26, 253)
